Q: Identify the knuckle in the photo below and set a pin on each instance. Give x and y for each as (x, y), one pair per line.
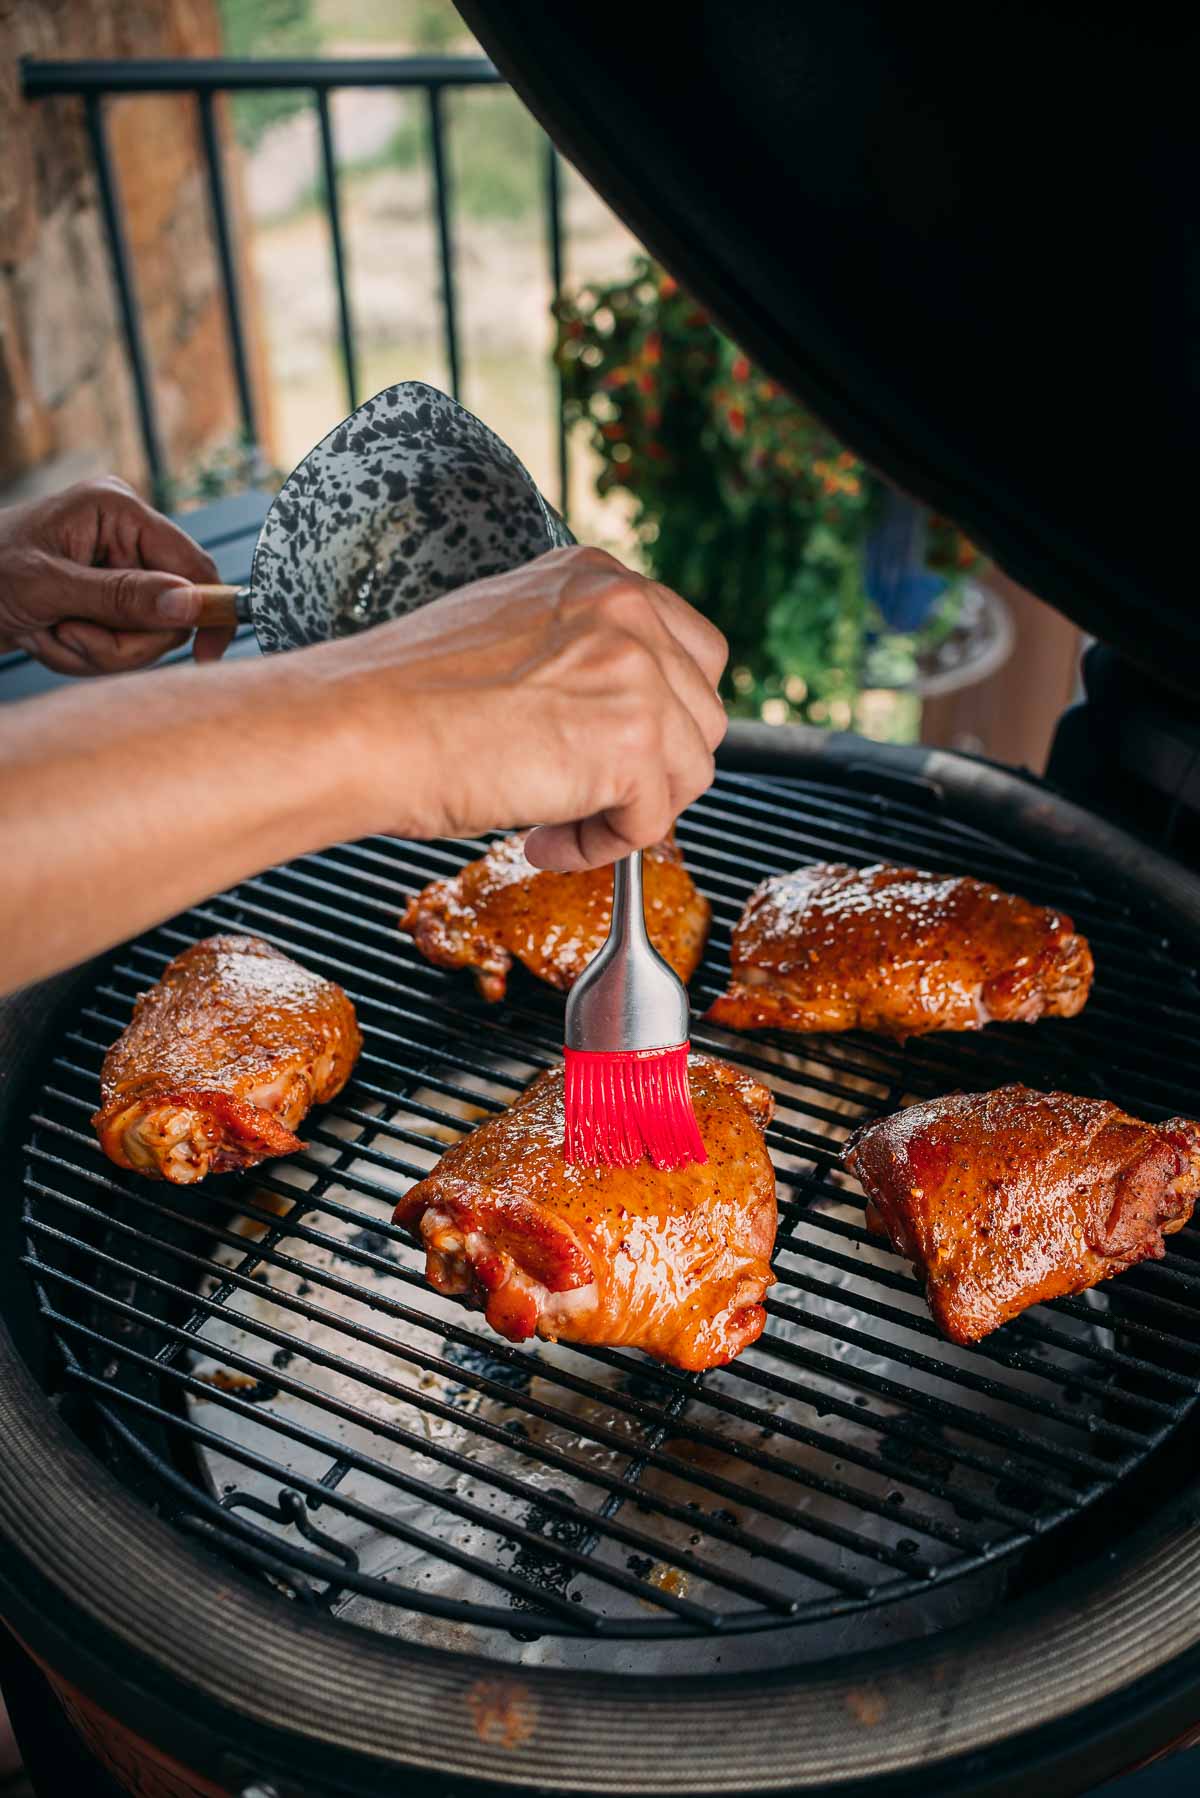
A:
(126, 592)
(623, 659)
(587, 556)
(637, 733)
(715, 727)
(621, 603)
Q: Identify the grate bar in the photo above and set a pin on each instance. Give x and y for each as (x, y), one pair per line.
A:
(311, 1352)
(846, 1421)
(988, 1430)
(389, 1475)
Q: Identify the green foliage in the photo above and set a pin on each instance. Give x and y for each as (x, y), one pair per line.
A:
(231, 467)
(430, 27)
(268, 28)
(493, 147)
(743, 501)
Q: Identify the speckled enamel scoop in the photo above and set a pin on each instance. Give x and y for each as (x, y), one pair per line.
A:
(409, 497)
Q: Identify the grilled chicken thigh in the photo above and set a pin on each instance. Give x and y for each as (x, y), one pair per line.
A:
(674, 1264)
(501, 908)
(900, 952)
(221, 1060)
(1002, 1200)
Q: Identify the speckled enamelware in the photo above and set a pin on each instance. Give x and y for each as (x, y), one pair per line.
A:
(409, 497)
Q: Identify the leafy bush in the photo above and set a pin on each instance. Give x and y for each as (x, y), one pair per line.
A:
(746, 504)
(268, 28)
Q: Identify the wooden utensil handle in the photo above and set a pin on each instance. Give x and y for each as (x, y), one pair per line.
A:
(218, 606)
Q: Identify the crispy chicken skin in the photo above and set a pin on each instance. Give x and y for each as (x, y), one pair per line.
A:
(900, 952)
(673, 1264)
(1006, 1199)
(501, 908)
(221, 1060)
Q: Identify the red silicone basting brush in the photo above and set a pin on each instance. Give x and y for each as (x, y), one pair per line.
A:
(627, 1094)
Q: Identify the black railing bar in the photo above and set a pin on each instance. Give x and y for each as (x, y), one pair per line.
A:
(212, 74)
(441, 196)
(223, 235)
(481, 1472)
(122, 270)
(333, 209)
(702, 1479)
(554, 245)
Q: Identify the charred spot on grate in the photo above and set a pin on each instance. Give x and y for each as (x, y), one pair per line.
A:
(272, 1371)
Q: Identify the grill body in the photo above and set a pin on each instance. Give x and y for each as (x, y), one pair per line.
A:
(503, 1540)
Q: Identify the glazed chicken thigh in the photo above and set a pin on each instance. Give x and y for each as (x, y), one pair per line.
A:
(1002, 1200)
(221, 1060)
(501, 908)
(674, 1264)
(900, 952)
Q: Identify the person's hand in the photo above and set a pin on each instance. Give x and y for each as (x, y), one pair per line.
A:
(94, 581)
(571, 694)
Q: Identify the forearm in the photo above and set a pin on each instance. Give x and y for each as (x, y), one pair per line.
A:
(126, 801)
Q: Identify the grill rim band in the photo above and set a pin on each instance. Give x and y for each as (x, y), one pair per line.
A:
(177, 1636)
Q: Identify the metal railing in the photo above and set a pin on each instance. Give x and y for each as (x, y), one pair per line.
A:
(203, 79)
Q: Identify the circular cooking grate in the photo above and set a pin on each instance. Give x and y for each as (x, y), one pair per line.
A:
(269, 1368)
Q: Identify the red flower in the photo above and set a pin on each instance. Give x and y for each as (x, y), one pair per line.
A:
(668, 287)
(645, 383)
(737, 420)
(741, 369)
(652, 350)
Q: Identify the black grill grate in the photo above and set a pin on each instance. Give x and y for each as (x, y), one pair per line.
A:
(269, 1366)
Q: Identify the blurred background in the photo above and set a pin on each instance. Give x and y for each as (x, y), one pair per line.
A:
(472, 258)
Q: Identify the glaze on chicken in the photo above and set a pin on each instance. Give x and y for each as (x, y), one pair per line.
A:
(221, 1061)
(1005, 1199)
(900, 952)
(673, 1264)
(501, 908)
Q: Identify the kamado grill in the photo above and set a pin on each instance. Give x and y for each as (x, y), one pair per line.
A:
(276, 1513)
(260, 1474)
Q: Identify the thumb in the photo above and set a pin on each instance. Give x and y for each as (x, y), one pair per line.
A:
(130, 599)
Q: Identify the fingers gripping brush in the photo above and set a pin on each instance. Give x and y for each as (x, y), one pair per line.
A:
(626, 1090)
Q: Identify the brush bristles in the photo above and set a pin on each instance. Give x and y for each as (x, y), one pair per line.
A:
(630, 1105)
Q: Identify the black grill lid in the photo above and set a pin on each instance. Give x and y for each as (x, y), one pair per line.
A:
(967, 239)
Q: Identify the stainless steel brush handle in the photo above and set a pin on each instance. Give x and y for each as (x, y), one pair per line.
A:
(627, 997)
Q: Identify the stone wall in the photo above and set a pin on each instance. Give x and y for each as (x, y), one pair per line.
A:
(66, 400)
